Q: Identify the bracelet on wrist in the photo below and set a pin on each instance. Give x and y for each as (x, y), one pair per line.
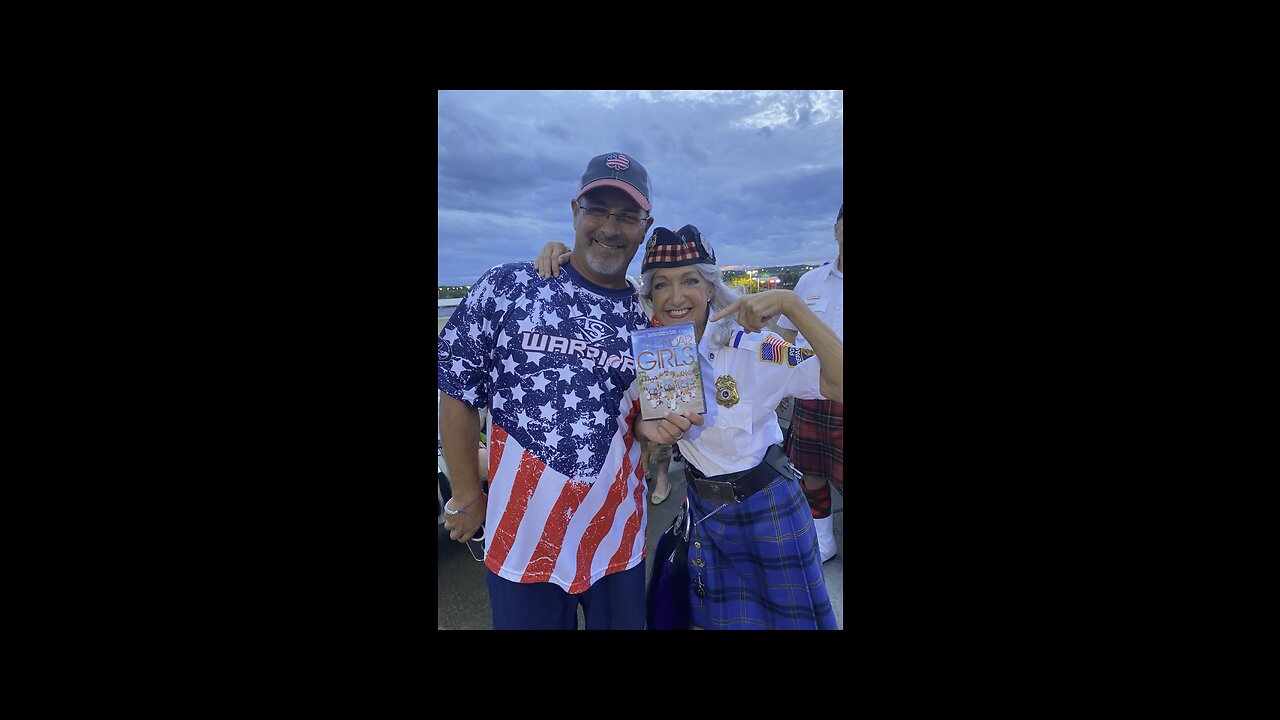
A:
(462, 510)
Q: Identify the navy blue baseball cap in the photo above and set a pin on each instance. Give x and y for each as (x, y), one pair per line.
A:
(621, 171)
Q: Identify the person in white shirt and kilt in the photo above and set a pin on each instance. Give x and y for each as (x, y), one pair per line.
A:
(816, 441)
(753, 553)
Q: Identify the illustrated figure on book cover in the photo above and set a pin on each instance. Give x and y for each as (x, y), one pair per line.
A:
(668, 371)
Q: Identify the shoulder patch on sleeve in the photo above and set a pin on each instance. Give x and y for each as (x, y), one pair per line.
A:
(797, 355)
(773, 349)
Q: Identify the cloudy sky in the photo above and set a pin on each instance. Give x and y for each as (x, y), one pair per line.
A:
(761, 173)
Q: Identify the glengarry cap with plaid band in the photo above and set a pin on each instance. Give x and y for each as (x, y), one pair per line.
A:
(620, 171)
(685, 246)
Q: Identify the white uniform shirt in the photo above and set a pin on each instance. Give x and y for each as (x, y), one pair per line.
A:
(822, 289)
(764, 369)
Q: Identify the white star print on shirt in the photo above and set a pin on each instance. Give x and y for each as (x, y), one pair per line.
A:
(509, 364)
(539, 382)
(553, 438)
(517, 394)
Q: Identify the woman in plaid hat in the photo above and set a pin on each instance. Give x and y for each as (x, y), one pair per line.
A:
(753, 553)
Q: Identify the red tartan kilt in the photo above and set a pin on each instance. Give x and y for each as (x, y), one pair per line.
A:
(816, 442)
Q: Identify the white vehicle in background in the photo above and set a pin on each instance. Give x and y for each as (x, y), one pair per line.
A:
(445, 308)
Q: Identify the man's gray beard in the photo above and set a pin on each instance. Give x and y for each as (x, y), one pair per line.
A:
(598, 265)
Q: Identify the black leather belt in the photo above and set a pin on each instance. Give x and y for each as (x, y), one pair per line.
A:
(736, 487)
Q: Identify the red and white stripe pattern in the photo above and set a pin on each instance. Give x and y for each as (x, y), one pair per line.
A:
(617, 161)
(543, 526)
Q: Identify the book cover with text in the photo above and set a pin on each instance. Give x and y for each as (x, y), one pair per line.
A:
(668, 371)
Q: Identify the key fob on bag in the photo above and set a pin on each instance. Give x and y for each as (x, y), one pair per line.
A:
(679, 524)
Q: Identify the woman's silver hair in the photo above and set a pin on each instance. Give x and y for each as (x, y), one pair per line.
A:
(722, 297)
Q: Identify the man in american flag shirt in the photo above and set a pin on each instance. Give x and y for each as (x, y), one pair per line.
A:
(565, 516)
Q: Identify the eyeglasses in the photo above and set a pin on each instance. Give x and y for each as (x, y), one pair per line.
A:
(600, 215)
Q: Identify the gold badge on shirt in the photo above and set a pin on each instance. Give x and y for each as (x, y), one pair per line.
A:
(726, 391)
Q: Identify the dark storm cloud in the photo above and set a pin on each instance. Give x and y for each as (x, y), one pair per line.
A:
(762, 173)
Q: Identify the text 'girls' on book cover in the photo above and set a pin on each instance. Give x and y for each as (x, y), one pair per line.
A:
(668, 372)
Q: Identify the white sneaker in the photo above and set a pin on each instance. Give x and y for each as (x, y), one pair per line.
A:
(826, 537)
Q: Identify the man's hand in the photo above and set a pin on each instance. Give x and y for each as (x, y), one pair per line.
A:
(553, 255)
(755, 311)
(463, 525)
(459, 438)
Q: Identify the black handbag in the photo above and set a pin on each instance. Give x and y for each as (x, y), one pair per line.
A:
(667, 605)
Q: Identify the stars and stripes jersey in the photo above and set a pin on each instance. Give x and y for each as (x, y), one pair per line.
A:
(761, 368)
(552, 360)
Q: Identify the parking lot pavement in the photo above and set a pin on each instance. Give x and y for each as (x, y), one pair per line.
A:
(464, 600)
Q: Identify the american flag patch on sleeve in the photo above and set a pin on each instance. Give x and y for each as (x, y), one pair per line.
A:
(773, 349)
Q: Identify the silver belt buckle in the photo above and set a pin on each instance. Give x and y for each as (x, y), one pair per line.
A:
(717, 491)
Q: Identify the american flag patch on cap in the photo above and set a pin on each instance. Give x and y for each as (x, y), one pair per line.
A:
(617, 161)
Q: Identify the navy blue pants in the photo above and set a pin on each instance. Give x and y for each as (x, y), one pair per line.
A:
(614, 602)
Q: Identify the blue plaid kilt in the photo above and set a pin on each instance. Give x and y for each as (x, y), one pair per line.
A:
(757, 563)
